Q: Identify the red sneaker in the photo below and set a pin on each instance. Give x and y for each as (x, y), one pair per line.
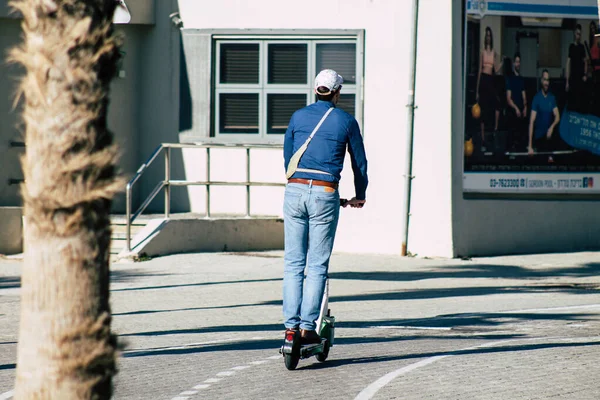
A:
(309, 337)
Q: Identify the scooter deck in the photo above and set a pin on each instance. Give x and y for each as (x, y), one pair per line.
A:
(309, 350)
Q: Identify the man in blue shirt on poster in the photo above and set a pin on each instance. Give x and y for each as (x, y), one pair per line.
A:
(516, 100)
(544, 117)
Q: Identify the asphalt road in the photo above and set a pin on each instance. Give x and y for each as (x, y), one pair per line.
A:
(210, 326)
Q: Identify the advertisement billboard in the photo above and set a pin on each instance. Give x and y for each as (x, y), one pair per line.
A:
(532, 97)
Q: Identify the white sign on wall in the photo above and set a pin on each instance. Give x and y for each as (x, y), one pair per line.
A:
(539, 8)
(506, 150)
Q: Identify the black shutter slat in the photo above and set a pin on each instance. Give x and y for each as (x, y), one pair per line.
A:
(340, 57)
(347, 102)
(288, 63)
(240, 63)
(280, 108)
(238, 112)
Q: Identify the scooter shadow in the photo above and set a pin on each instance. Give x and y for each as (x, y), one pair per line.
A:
(331, 363)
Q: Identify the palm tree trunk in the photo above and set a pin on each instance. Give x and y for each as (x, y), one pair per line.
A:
(66, 349)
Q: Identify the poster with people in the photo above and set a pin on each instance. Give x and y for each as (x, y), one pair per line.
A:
(532, 97)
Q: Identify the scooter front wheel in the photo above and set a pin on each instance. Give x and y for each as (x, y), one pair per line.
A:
(321, 357)
(291, 361)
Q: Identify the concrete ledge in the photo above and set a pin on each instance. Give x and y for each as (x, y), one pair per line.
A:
(11, 230)
(171, 236)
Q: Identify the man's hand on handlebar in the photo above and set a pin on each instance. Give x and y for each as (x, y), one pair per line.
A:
(353, 202)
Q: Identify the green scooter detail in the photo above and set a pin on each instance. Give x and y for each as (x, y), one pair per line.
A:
(293, 351)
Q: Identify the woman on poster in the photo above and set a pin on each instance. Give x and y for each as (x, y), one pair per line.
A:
(487, 95)
(594, 68)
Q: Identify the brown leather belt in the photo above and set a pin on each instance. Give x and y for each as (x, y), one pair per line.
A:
(314, 182)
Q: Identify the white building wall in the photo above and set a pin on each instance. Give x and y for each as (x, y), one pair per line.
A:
(430, 229)
(145, 112)
(387, 24)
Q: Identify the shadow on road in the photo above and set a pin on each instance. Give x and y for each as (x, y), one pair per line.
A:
(473, 271)
(447, 271)
(196, 284)
(452, 321)
(7, 366)
(451, 324)
(10, 282)
(331, 363)
(408, 294)
(266, 344)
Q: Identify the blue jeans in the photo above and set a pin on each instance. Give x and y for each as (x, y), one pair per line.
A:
(311, 216)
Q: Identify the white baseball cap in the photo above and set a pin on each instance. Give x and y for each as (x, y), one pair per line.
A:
(329, 79)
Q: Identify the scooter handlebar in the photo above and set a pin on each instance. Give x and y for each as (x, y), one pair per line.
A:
(353, 203)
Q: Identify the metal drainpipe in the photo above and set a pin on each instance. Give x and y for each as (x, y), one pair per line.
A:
(410, 128)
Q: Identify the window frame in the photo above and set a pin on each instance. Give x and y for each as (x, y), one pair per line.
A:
(266, 94)
(217, 107)
(265, 61)
(263, 88)
(217, 70)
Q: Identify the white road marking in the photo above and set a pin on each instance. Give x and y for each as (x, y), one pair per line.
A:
(274, 358)
(200, 387)
(259, 362)
(206, 384)
(374, 387)
(7, 395)
(370, 391)
(433, 328)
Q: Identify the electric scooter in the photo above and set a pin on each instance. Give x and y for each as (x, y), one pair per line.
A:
(293, 350)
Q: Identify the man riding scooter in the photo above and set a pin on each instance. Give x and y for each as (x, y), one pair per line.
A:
(314, 150)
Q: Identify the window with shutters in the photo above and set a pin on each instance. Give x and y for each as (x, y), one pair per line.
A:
(258, 84)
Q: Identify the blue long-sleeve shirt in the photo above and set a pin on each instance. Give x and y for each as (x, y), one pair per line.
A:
(327, 149)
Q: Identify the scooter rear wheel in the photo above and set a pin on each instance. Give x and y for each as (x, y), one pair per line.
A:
(291, 361)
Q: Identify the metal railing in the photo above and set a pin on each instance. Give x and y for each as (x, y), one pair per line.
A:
(168, 182)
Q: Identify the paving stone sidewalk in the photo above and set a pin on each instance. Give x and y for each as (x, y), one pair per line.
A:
(209, 326)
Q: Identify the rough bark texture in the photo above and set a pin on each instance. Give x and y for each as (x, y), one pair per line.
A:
(66, 349)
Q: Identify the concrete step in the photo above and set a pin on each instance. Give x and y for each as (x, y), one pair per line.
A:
(118, 224)
(192, 232)
(123, 235)
(121, 230)
(183, 235)
(116, 245)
